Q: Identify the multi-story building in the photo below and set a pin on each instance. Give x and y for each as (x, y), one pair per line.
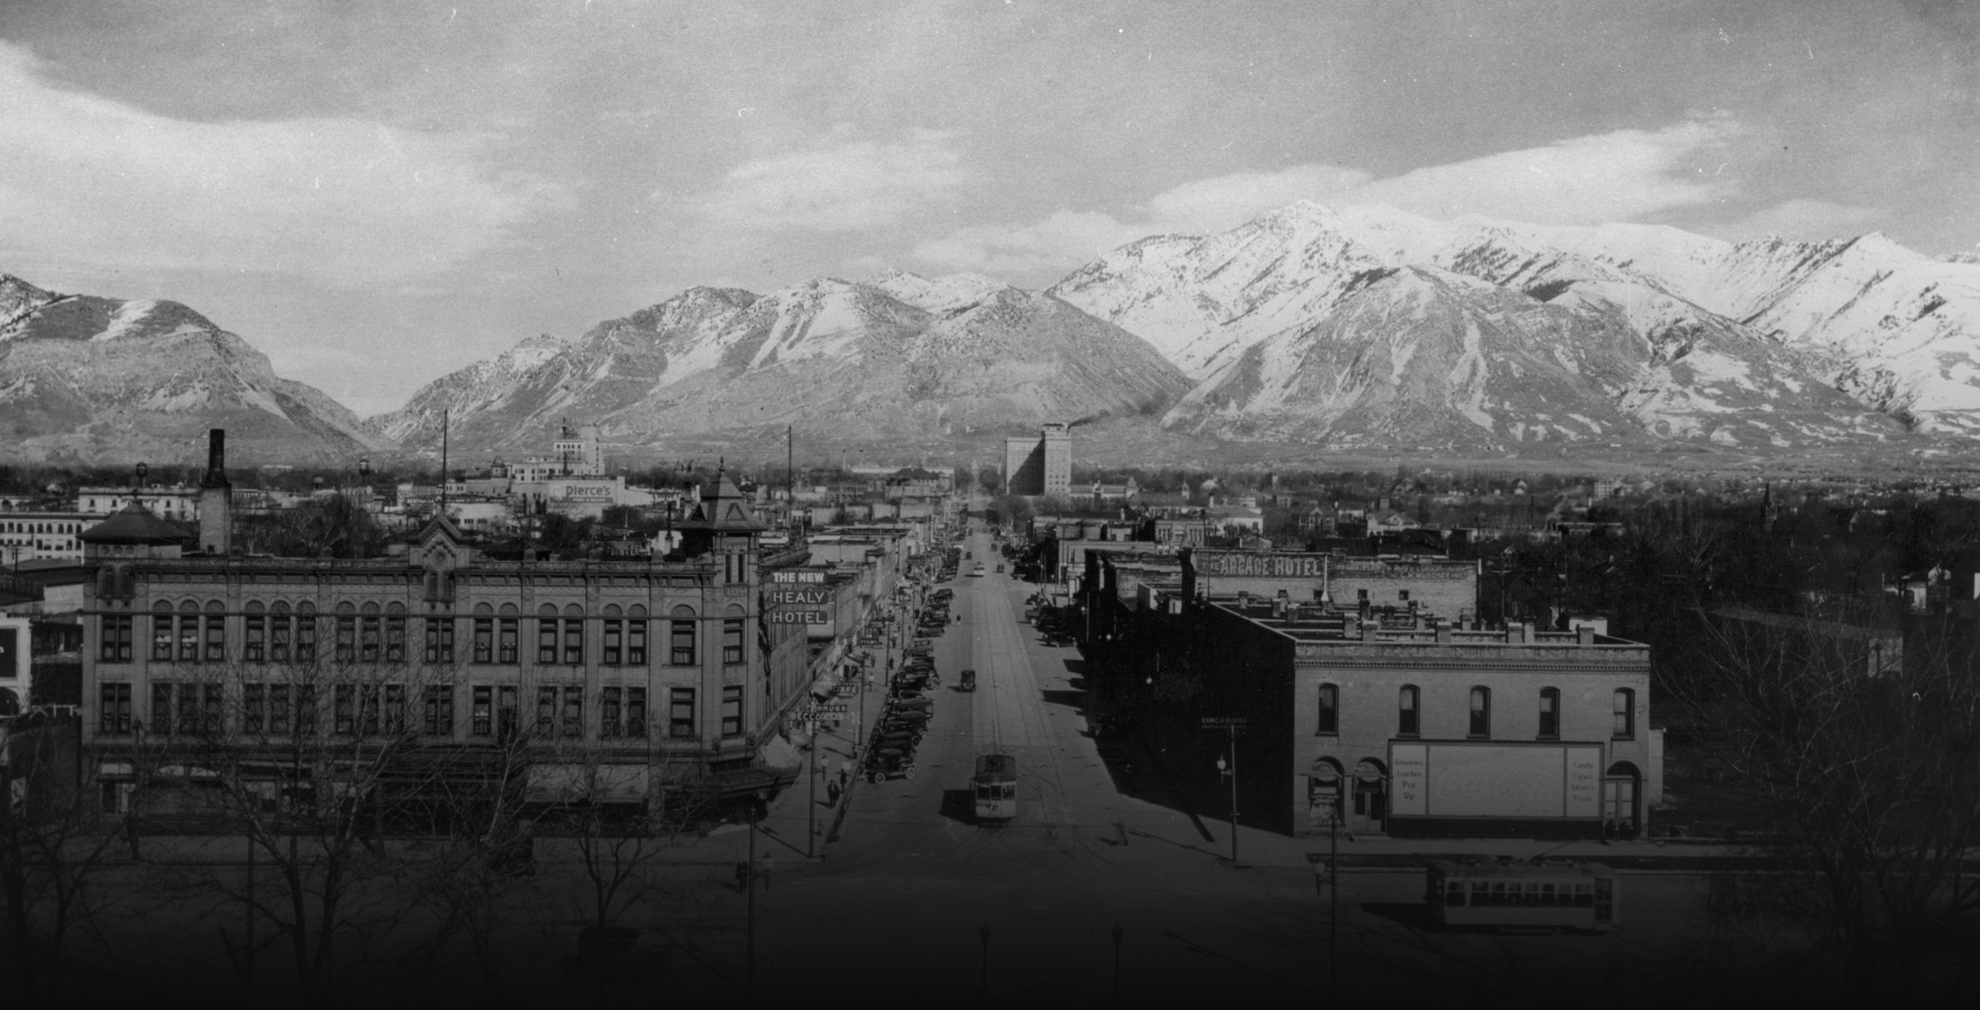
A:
(31, 536)
(177, 502)
(1040, 466)
(656, 675)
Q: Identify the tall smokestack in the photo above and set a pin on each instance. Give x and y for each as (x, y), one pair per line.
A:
(216, 497)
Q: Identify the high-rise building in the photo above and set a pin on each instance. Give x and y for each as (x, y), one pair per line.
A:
(1040, 466)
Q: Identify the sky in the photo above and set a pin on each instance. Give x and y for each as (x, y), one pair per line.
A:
(378, 192)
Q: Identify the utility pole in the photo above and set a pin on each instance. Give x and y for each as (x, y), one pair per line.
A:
(749, 879)
(1234, 794)
(811, 802)
(1334, 903)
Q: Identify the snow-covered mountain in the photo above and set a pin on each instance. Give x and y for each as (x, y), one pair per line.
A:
(898, 356)
(1675, 334)
(103, 380)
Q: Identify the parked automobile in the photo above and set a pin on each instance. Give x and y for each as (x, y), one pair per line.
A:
(884, 763)
(969, 680)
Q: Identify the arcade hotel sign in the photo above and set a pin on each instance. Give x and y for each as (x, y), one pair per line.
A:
(1260, 564)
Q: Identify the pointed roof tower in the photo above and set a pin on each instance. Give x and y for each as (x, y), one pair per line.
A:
(722, 518)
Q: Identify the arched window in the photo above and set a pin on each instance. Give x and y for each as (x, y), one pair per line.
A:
(1624, 706)
(680, 637)
(1328, 710)
(1407, 701)
(1550, 713)
(1481, 711)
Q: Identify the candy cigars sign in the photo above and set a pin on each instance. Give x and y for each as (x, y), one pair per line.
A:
(1495, 780)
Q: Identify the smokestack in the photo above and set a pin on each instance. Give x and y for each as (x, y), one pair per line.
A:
(216, 459)
(216, 498)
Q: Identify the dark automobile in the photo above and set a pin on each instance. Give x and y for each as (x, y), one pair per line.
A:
(969, 680)
(885, 762)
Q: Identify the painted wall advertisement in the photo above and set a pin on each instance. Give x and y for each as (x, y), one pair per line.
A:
(1496, 780)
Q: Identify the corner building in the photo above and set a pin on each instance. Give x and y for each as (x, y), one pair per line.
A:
(1406, 725)
(659, 675)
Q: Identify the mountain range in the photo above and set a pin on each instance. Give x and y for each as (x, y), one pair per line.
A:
(100, 380)
(1310, 326)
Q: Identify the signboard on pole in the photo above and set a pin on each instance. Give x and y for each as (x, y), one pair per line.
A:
(1224, 722)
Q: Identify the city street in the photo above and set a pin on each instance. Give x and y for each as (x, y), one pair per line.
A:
(912, 881)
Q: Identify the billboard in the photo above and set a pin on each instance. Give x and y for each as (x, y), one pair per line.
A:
(1260, 564)
(1525, 780)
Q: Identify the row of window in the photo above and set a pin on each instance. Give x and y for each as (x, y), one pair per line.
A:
(1409, 707)
(282, 638)
(370, 710)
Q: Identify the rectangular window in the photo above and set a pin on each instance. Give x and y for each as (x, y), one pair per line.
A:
(546, 711)
(681, 648)
(1550, 713)
(608, 713)
(546, 641)
(1406, 711)
(732, 710)
(438, 704)
(344, 710)
(574, 641)
(368, 640)
(346, 644)
(161, 707)
(483, 713)
(212, 697)
(188, 638)
(395, 709)
(306, 638)
(440, 640)
(511, 633)
(614, 647)
(116, 645)
(732, 640)
(1329, 710)
(1625, 712)
(395, 640)
(280, 713)
(574, 711)
(680, 712)
(161, 638)
(1481, 712)
(115, 715)
(254, 708)
(305, 709)
(216, 637)
(508, 712)
(636, 643)
(278, 639)
(1402, 595)
(636, 712)
(484, 639)
(255, 648)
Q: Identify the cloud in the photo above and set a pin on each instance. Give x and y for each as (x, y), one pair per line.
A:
(104, 184)
(840, 186)
(1619, 176)
(1802, 219)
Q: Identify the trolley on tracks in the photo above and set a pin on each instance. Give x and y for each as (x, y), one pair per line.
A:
(1583, 897)
(995, 786)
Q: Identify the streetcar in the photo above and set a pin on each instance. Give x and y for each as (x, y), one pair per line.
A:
(995, 786)
(1557, 896)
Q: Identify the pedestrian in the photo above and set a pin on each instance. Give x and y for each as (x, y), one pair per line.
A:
(769, 863)
(742, 876)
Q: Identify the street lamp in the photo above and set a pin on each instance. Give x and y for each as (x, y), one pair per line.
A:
(1117, 964)
(983, 987)
(1230, 771)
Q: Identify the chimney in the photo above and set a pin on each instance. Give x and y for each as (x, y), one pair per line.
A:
(216, 498)
(1443, 632)
(1585, 634)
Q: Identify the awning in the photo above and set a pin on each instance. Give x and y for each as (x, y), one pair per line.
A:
(586, 784)
(777, 754)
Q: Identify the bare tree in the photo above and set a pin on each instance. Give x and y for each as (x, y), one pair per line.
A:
(1867, 768)
(54, 854)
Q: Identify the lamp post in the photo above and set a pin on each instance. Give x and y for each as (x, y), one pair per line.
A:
(1231, 773)
(983, 986)
(1117, 964)
(749, 880)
